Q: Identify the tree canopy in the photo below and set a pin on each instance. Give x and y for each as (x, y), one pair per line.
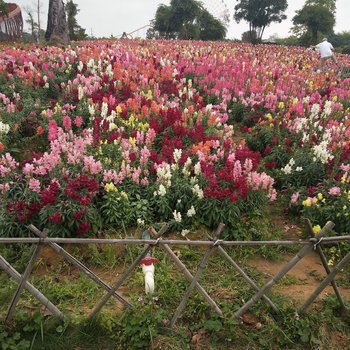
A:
(330, 4)
(76, 32)
(186, 19)
(3, 8)
(260, 14)
(314, 19)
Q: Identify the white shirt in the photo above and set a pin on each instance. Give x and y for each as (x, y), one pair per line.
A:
(325, 49)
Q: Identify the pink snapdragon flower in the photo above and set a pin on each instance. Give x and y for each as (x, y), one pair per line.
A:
(78, 121)
(53, 131)
(34, 185)
(295, 197)
(335, 191)
(67, 122)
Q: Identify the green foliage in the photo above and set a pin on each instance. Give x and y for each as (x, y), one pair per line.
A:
(13, 341)
(76, 32)
(329, 4)
(136, 329)
(237, 114)
(3, 8)
(316, 19)
(305, 170)
(186, 19)
(260, 14)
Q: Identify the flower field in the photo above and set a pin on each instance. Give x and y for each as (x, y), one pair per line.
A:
(110, 135)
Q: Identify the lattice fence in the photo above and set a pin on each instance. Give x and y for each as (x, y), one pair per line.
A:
(212, 244)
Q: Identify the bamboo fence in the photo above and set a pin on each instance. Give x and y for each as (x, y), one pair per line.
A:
(211, 243)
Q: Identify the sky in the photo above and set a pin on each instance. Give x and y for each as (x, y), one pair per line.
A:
(107, 17)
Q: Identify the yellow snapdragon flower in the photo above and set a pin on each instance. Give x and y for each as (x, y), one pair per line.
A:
(110, 187)
(118, 109)
(316, 229)
(307, 203)
(132, 140)
(124, 195)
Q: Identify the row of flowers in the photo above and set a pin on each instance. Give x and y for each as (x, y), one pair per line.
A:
(110, 134)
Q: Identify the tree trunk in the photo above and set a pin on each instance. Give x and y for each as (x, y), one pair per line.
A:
(57, 29)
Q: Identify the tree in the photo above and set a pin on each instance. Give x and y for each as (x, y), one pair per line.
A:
(260, 14)
(211, 28)
(38, 12)
(330, 4)
(249, 37)
(186, 19)
(315, 19)
(3, 8)
(57, 29)
(76, 32)
(32, 25)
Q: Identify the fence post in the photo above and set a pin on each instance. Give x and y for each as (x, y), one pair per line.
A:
(325, 265)
(246, 277)
(30, 288)
(126, 274)
(80, 266)
(24, 279)
(302, 252)
(181, 266)
(196, 277)
(324, 283)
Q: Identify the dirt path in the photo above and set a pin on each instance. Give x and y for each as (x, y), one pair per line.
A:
(302, 280)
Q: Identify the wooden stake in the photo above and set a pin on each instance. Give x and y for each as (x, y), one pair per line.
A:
(24, 279)
(245, 276)
(325, 265)
(80, 266)
(181, 266)
(196, 277)
(126, 274)
(324, 283)
(30, 288)
(300, 255)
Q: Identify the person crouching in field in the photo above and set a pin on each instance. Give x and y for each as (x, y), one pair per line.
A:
(325, 49)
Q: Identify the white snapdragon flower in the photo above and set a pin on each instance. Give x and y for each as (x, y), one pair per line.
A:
(198, 191)
(208, 107)
(80, 92)
(140, 222)
(315, 109)
(327, 109)
(112, 117)
(104, 110)
(184, 233)
(299, 168)
(185, 169)
(321, 152)
(80, 66)
(177, 216)
(164, 175)
(177, 154)
(288, 168)
(162, 190)
(4, 128)
(191, 212)
(91, 110)
(197, 169)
